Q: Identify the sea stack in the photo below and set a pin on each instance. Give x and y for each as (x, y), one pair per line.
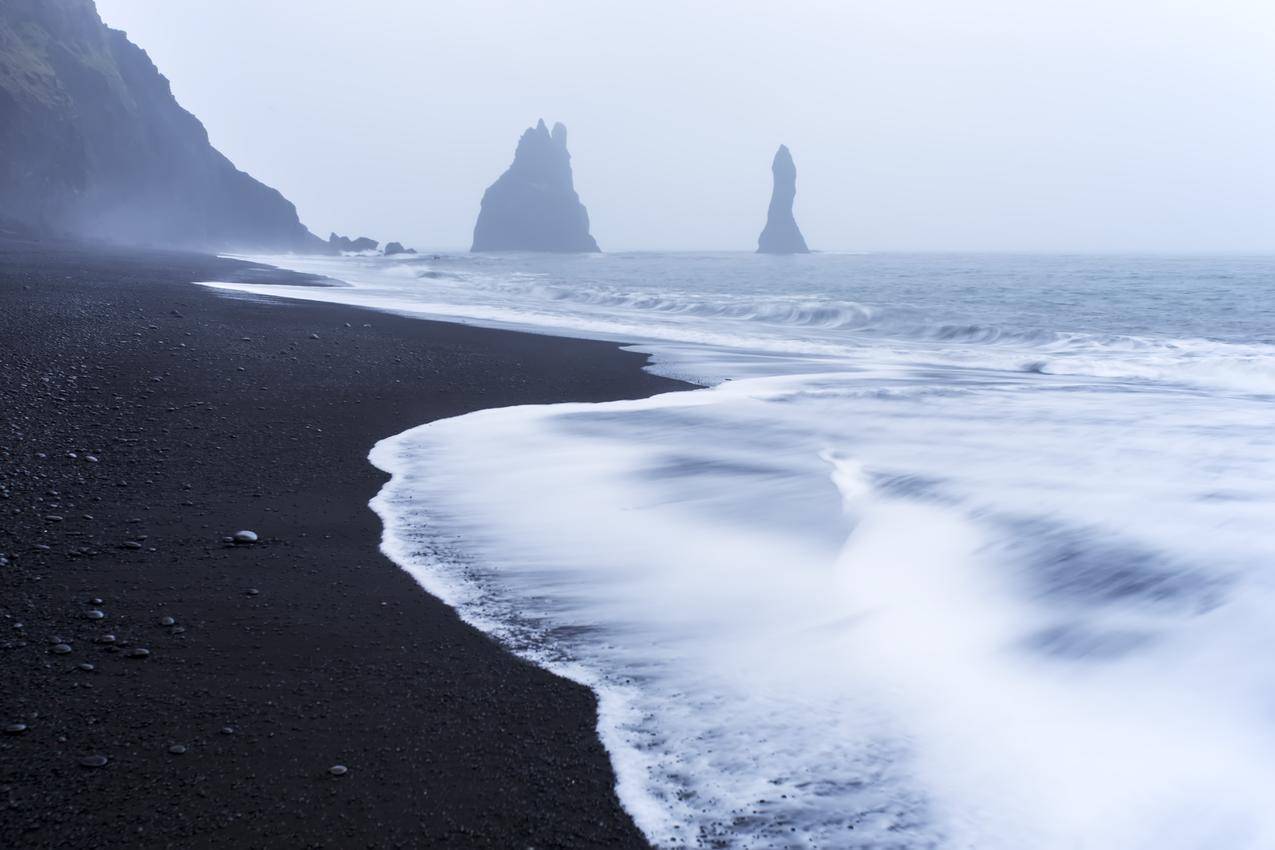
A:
(533, 206)
(781, 234)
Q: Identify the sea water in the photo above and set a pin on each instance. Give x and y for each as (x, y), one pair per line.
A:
(950, 551)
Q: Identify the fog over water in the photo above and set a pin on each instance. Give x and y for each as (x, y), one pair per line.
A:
(915, 125)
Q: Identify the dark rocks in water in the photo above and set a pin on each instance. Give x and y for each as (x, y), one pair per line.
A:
(533, 206)
(397, 248)
(94, 145)
(344, 243)
(781, 234)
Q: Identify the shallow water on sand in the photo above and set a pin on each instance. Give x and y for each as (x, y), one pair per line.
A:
(954, 551)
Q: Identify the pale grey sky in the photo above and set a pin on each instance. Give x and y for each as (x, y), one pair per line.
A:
(915, 124)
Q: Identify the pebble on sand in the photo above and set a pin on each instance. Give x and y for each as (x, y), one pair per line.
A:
(94, 761)
(177, 749)
(245, 536)
(167, 621)
(15, 728)
(140, 652)
(61, 648)
(338, 770)
(94, 614)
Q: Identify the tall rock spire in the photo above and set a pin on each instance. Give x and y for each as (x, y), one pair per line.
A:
(781, 234)
(533, 206)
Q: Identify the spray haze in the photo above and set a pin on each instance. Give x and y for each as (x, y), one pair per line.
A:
(919, 125)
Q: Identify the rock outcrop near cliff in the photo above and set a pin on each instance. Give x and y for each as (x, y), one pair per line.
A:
(337, 244)
(781, 234)
(93, 144)
(533, 206)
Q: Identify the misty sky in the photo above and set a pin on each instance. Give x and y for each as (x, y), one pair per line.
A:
(915, 124)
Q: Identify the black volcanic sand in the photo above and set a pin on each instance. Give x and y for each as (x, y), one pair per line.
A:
(142, 420)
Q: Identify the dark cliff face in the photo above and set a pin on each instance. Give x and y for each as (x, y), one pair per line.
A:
(534, 206)
(781, 234)
(93, 143)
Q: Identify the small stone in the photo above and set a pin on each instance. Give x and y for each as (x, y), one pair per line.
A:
(94, 614)
(314, 336)
(227, 730)
(140, 652)
(132, 544)
(94, 761)
(91, 459)
(96, 601)
(252, 591)
(338, 770)
(86, 667)
(106, 639)
(40, 547)
(61, 648)
(15, 728)
(167, 621)
(53, 518)
(244, 537)
(177, 749)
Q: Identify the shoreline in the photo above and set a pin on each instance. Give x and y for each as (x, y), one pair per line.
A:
(206, 414)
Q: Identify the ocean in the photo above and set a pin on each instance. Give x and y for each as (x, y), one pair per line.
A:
(949, 552)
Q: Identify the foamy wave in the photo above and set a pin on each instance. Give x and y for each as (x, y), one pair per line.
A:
(817, 617)
(900, 579)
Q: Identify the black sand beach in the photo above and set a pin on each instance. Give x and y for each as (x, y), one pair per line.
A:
(143, 420)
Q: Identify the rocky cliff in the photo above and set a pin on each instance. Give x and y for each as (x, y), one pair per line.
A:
(93, 143)
(533, 206)
(781, 234)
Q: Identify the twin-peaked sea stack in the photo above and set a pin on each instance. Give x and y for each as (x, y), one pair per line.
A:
(534, 205)
(781, 234)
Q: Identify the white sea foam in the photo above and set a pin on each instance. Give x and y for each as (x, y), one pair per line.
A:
(906, 581)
